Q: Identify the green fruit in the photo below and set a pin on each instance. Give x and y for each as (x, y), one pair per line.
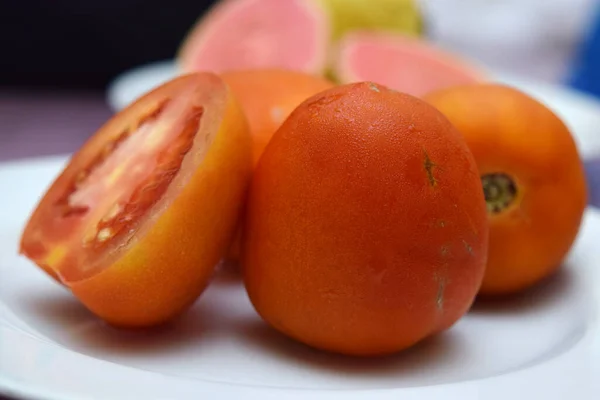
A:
(401, 16)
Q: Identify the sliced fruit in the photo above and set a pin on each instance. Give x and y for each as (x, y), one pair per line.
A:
(402, 16)
(268, 96)
(409, 65)
(142, 213)
(533, 180)
(244, 34)
(366, 226)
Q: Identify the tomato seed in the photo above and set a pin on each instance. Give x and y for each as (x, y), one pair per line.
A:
(80, 177)
(104, 234)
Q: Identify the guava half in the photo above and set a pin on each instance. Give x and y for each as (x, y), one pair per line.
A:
(403, 63)
(247, 34)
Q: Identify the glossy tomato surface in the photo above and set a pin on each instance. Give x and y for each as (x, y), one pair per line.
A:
(366, 225)
(533, 179)
(142, 213)
(268, 96)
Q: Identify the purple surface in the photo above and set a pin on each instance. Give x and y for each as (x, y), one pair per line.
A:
(37, 124)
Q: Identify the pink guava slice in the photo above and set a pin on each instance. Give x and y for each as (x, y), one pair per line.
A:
(406, 64)
(248, 34)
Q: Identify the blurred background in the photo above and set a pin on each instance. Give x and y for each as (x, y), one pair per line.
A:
(83, 44)
(75, 44)
(59, 57)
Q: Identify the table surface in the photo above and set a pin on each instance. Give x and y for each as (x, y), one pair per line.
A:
(34, 124)
(44, 123)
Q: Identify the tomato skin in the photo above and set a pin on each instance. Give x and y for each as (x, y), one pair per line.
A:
(169, 263)
(510, 132)
(268, 96)
(350, 245)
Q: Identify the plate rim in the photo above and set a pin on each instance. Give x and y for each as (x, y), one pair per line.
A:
(468, 389)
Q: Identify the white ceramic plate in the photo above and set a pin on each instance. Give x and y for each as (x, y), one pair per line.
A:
(543, 345)
(580, 112)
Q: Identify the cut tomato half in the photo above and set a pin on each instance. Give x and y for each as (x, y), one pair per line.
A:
(142, 213)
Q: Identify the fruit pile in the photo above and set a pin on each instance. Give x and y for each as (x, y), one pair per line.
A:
(363, 218)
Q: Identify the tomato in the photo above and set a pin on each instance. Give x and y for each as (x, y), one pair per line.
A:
(268, 97)
(532, 176)
(136, 222)
(366, 227)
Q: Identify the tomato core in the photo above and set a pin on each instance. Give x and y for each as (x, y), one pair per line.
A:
(499, 190)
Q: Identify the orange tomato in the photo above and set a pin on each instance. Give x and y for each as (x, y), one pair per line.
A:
(142, 213)
(366, 225)
(268, 96)
(532, 175)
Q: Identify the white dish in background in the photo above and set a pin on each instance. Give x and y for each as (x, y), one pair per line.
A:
(580, 112)
(133, 83)
(542, 345)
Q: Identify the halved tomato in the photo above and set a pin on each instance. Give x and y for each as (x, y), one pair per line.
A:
(138, 219)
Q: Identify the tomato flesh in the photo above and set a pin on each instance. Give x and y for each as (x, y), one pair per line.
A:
(107, 199)
(137, 221)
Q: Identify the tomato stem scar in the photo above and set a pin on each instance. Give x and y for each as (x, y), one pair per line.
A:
(428, 164)
(499, 190)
